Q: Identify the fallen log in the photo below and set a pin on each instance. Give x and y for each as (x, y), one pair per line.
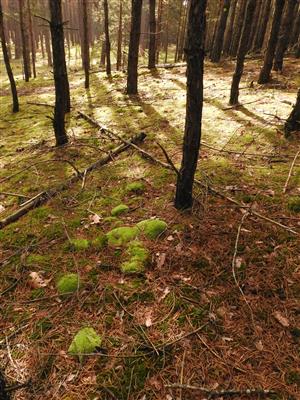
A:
(211, 189)
(44, 196)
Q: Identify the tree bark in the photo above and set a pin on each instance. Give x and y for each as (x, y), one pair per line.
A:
(107, 39)
(237, 27)
(258, 7)
(293, 122)
(242, 51)
(152, 34)
(32, 39)
(296, 28)
(221, 26)
(62, 96)
(229, 27)
(7, 63)
(25, 39)
(159, 28)
(264, 76)
(133, 52)
(261, 26)
(195, 51)
(284, 35)
(48, 48)
(178, 31)
(120, 36)
(85, 44)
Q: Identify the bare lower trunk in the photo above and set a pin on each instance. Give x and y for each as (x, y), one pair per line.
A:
(25, 39)
(152, 34)
(85, 44)
(32, 40)
(107, 39)
(293, 121)
(218, 40)
(120, 34)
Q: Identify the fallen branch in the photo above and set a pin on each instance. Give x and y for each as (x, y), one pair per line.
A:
(43, 197)
(40, 104)
(290, 172)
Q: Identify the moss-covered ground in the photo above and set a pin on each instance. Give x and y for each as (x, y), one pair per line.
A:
(243, 294)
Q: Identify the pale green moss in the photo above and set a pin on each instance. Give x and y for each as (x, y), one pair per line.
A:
(120, 209)
(152, 228)
(85, 341)
(132, 266)
(100, 242)
(294, 204)
(37, 260)
(79, 244)
(138, 258)
(68, 284)
(122, 235)
(135, 187)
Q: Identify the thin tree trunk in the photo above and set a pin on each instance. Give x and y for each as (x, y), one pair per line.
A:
(229, 27)
(133, 53)
(103, 53)
(293, 122)
(42, 45)
(284, 35)
(107, 39)
(218, 40)
(178, 31)
(264, 76)
(62, 96)
(159, 28)
(261, 26)
(32, 39)
(7, 64)
(85, 44)
(195, 51)
(25, 39)
(167, 32)
(296, 28)
(258, 7)
(182, 35)
(120, 34)
(242, 51)
(152, 34)
(238, 26)
(48, 48)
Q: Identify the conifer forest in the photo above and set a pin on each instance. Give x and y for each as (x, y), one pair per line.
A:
(149, 199)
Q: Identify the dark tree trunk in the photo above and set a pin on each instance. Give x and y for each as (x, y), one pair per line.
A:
(159, 28)
(25, 39)
(18, 45)
(296, 28)
(254, 26)
(152, 34)
(237, 27)
(242, 51)
(103, 53)
(261, 26)
(285, 33)
(293, 122)
(221, 26)
(32, 39)
(85, 44)
(167, 32)
(48, 48)
(7, 63)
(229, 28)
(297, 52)
(195, 51)
(62, 96)
(133, 52)
(120, 36)
(178, 32)
(107, 39)
(264, 76)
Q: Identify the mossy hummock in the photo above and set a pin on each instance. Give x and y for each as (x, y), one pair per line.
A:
(85, 342)
(139, 256)
(120, 236)
(68, 283)
(120, 209)
(152, 228)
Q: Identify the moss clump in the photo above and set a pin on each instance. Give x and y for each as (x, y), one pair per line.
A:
(120, 209)
(68, 284)
(79, 244)
(135, 187)
(122, 235)
(293, 377)
(152, 228)
(37, 260)
(294, 204)
(85, 341)
(138, 258)
(100, 242)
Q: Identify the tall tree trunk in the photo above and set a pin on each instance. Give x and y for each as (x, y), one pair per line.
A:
(62, 96)
(41, 37)
(85, 44)
(264, 76)
(107, 39)
(48, 48)
(195, 51)
(167, 32)
(178, 31)
(120, 36)
(7, 63)
(25, 38)
(103, 53)
(18, 43)
(32, 39)
(182, 34)
(229, 27)
(159, 28)
(284, 35)
(258, 7)
(133, 52)
(296, 28)
(152, 34)
(237, 28)
(293, 122)
(218, 40)
(242, 51)
(262, 26)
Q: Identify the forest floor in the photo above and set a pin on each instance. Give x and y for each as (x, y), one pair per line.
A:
(218, 304)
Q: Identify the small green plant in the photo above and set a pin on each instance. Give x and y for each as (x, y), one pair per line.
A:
(294, 204)
(122, 235)
(152, 228)
(68, 283)
(120, 209)
(135, 187)
(79, 244)
(85, 342)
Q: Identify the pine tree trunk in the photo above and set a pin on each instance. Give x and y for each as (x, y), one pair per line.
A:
(152, 34)
(254, 26)
(229, 27)
(7, 63)
(218, 40)
(242, 51)
(261, 26)
(264, 76)
(167, 33)
(25, 39)
(296, 28)
(159, 29)
(85, 43)
(103, 53)
(48, 48)
(195, 51)
(182, 35)
(293, 122)
(32, 39)
(178, 31)
(133, 52)
(120, 34)
(107, 39)
(18, 45)
(59, 72)
(237, 28)
(284, 35)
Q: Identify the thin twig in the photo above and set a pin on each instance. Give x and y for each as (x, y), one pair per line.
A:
(290, 172)
(168, 158)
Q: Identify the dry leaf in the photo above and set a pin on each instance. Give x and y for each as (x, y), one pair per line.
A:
(281, 319)
(2, 208)
(37, 281)
(161, 259)
(259, 345)
(238, 262)
(95, 219)
(148, 322)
